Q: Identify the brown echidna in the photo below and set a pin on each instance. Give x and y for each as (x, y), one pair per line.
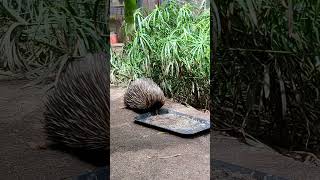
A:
(144, 95)
(77, 111)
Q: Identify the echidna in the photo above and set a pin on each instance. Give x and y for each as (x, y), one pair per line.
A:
(77, 111)
(144, 95)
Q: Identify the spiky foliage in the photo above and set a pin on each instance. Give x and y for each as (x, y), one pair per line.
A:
(171, 45)
(38, 36)
(267, 71)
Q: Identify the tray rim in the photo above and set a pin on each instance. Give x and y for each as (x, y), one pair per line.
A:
(141, 117)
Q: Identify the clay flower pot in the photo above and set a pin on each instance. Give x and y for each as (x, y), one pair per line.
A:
(113, 38)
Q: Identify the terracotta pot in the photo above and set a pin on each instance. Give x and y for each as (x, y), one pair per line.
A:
(113, 38)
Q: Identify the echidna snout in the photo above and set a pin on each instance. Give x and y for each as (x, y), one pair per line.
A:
(144, 95)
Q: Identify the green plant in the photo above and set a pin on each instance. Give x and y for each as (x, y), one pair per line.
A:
(172, 46)
(130, 7)
(267, 72)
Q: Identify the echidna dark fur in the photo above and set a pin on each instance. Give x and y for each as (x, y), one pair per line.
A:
(144, 95)
(77, 111)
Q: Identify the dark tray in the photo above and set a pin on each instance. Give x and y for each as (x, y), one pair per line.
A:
(221, 165)
(200, 125)
(101, 173)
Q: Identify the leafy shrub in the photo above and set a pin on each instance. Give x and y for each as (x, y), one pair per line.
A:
(172, 46)
(267, 75)
(39, 36)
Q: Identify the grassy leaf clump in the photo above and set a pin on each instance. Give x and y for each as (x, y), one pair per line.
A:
(171, 45)
(39, 36)
(267, 72)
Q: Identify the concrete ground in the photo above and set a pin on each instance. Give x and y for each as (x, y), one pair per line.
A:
(21, 133)
(230, 150)
(138, 152)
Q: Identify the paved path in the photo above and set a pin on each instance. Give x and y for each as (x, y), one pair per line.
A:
(21, 131)
(230, 150)
(138, 152)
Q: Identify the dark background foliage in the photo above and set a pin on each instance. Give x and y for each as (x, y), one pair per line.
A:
(266, 74)
(38, 37)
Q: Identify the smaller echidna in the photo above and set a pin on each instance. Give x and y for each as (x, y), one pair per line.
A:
(144, 95)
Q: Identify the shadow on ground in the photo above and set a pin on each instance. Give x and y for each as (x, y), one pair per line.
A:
(90, 157)
(21, 133)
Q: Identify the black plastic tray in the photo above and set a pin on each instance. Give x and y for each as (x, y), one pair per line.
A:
(101, 173)
(221, 165)
(202, 124)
